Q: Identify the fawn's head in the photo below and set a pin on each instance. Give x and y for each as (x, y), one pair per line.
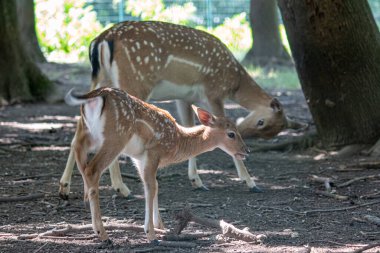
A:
(224, 132)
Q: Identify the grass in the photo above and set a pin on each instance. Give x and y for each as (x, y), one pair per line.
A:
(279, 78)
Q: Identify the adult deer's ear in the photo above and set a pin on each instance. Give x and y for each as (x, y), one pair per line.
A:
(276, 105)
(204, 116)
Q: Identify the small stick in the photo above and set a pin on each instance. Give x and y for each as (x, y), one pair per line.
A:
(317, 210)
(34, 176)
(325, 180)
(365, 164)
(372, 219)
(331, 195)
(185, 237)
(338, 209)
(369, 246)
(177, 244)
(131, 176)
(228, 229)
(357, 179)
(22, 198)
(81, 228)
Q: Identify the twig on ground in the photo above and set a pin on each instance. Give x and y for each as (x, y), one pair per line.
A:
(331, 195)
(40, 248)
(22, 198)
(364, 164)
(307, 212)
(185, 216)
(369, 246)
(372, 219)
(339, 208)
(81, 228)
(34, 176)
(185, 237)
(357, 179)
(131, 176)
(328, 182)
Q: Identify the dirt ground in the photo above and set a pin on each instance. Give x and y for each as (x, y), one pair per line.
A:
(34, 145)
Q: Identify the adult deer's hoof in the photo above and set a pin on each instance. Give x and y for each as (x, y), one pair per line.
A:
(106, 244)
(255, 189)
(155, 242)
(201, 188)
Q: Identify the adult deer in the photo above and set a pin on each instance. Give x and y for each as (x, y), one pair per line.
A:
(161, 61)
(114, 123)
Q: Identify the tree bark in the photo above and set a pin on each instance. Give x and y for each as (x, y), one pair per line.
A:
(267, 46)
(20, 78)
(27, 28)
(336, 49)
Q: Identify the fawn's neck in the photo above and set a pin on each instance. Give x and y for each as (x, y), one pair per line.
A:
(194, 141)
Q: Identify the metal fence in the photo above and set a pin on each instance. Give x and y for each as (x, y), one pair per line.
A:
(210, 13)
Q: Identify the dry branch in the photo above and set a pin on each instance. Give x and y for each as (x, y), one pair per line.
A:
(22, 198)
(364, 164)
(331, 195)
(372, 219)
(307, 212)
(81, 228)
(357, 179)
(328, 182)
(369, 246)
(185, 216)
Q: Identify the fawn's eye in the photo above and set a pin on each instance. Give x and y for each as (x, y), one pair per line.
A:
(260, 122)
(231, 135)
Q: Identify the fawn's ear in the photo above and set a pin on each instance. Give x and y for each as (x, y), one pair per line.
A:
(204, 116)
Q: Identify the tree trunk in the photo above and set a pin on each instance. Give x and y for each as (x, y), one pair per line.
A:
(27, 28)
(267, 45)
(336, 49)
(20, 78)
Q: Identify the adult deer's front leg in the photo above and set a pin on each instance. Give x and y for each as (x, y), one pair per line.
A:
(187, 119)
(65, 181)
(117, 180)
(244, 175)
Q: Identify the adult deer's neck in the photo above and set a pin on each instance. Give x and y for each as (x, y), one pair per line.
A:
(249, 93)
(194, 141)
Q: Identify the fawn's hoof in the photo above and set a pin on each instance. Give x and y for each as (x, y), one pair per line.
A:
(255, 189)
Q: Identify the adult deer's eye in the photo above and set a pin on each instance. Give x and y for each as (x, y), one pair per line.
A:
(231, 135)
(260, 122)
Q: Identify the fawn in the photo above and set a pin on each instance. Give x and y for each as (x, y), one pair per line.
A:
(113, 123)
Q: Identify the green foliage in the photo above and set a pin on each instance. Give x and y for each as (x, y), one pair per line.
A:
(65, 29)
(156, 10)
(235, 32)
(284, 78)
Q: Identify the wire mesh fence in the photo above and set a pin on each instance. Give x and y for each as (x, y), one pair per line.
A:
(209, 13)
